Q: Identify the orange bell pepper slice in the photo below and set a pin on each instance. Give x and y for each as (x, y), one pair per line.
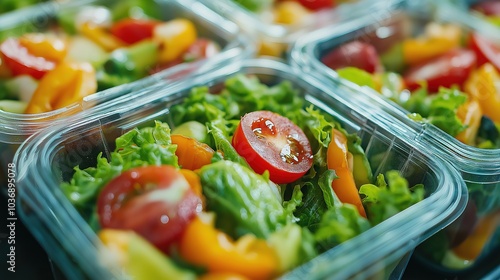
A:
(470, 114)
(101, 37)
(482, 85)
(437, 39)
(68, 83)
(472, 247)
(191, 153)
(202, 244)
(47, 46)
(338, 159)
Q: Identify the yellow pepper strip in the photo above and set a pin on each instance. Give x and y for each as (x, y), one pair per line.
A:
(438, 39)
(482, 85)
(68, 83)
(472, 247)
(202, 244)
(101, 37)
(43, 45)
(470, 114)
(338, 159)
(175, 37)
(290, 12)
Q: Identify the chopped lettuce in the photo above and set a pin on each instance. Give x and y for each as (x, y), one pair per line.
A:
(138, 147)
(386, 199)
(254, 5)
(439, 109)
(244, 201)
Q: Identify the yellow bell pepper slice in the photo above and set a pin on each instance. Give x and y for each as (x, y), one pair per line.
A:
(101, 37)
(437, 39)
(483, 85)
(470, 114)
(50, 47)
(175, 37)
(202, 244)
(68, 83)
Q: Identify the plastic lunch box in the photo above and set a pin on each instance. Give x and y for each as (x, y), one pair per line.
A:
(275, 38)
(15, 128)
(480, 168)
(49, 156)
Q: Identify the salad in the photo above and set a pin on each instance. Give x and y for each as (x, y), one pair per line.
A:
(89, 50)
(447, 77)
(293, 14)
(246, 182)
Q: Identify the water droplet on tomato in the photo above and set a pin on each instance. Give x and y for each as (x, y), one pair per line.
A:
(263, 127)
(164, 219)
(290, 153)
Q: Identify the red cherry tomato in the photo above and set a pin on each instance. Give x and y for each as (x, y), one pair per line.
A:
(272, 142)
(355, 54)
(155, 201)
(21, 62)
(485, 50)
(200, 49)
(317, 4)
(451, 68)
(489, 8)
(132, 31)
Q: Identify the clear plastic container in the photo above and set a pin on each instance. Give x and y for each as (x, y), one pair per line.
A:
(15, 128)
(480, 168)
(48, 158)
(273, 39)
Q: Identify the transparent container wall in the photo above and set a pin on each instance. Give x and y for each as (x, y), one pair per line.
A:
(16, 128)
(273, 39)
(53, 154)
(479, 167)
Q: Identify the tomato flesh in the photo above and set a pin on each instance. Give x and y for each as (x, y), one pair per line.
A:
(489, 8)
(132, 31)
(272, 142)
(21, 62)
(317, 4)
(200, 49)
(451, 68)
(155, 201)
(354, 54)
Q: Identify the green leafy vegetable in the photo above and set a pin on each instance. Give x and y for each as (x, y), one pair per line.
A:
(254, 5)
(439, 109)
(138, 147)
(247, 202)
(386, 199)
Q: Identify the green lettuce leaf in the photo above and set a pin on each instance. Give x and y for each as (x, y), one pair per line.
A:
(245, 202)
(385, 199)
(357, 76)
(138, 147)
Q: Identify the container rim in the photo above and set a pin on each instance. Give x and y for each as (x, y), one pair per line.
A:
(26, 124)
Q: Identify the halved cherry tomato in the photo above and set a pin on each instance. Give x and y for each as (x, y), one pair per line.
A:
(485, 50)
(155, 201)
(449, 69)
(131, 30)
(355, 54)
(317, 4)
(272, 142)
(20, 61)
